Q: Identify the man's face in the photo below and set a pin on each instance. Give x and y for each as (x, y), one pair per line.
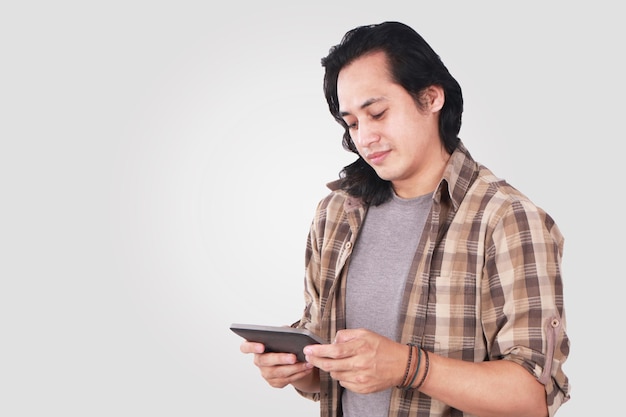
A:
(397, 138)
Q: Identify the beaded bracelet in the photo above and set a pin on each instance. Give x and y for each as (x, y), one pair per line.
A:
(408, 366)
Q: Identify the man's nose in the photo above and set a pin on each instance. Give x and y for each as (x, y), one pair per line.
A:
(367, 134)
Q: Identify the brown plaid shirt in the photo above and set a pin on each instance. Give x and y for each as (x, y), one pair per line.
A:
(485, 283)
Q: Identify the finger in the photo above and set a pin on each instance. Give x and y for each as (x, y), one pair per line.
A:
(252, 347)
(330, 351)
(285, 372)
(330, 364)
(275, 359)
(279, 377)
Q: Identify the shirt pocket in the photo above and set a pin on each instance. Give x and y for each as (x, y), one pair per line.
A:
(453, 302)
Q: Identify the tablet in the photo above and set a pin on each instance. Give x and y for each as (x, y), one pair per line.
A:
(277, 338)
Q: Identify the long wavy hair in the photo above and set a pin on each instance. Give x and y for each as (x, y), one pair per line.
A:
(415, 66)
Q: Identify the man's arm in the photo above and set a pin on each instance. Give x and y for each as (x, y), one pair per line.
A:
(364, 362)
(492, 388)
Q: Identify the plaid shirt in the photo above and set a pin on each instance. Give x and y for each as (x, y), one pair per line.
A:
(485, 283)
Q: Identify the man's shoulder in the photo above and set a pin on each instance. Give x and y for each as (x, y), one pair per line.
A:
(498, 200)
(493, 186)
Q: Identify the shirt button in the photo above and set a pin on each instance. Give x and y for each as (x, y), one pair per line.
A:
(555, 322)
(348, 245)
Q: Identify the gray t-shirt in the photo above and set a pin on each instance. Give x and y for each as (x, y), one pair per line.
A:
(376, 280)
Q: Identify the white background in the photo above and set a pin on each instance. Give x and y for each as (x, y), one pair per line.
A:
(160, 163)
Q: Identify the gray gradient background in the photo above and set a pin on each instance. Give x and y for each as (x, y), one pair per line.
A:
(160, 163)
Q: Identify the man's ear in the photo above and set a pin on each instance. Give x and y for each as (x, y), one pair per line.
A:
(436, 98)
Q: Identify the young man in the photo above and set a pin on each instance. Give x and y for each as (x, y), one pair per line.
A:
(437, 283)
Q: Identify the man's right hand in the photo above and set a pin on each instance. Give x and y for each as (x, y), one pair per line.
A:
(282, 369)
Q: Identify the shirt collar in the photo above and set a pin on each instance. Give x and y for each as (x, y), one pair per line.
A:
(459, 174)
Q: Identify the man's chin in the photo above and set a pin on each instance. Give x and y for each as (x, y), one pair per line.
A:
(384, 174)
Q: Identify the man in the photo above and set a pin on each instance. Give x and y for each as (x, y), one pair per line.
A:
(437, 284)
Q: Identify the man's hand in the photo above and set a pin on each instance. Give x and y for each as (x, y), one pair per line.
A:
(280, 369)
(362, 361)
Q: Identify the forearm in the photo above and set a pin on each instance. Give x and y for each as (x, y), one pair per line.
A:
(494, 388)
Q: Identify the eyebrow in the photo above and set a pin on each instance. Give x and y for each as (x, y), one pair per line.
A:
(366, 104)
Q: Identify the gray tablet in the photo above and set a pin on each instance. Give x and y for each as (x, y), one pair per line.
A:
(277, 338)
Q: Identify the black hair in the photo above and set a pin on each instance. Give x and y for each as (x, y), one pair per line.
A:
(415, 66)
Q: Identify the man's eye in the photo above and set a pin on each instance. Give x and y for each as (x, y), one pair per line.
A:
(378, 115)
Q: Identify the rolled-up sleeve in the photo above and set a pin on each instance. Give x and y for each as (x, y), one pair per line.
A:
(522, 300)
